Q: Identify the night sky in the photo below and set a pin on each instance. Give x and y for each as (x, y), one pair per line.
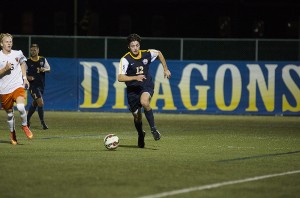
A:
(153, 18)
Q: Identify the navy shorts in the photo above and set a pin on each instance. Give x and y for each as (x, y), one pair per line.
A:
(36, 92)
(134, 95)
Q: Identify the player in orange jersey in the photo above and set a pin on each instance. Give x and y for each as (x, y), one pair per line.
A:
(12, 83)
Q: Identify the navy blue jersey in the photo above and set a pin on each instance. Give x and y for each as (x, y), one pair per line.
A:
(133, 66)
(33, 69)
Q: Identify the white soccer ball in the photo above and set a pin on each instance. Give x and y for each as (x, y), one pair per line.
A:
(111, 141)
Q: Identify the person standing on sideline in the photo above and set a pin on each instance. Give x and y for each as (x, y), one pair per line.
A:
(12, 83)
(36, 68)
(134, 71)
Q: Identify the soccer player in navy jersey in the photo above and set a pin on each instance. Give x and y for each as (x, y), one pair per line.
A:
(134, 71)
(37, 66)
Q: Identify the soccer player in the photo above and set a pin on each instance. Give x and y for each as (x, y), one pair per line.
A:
(36, 68)
(12, 83)
(134, 71)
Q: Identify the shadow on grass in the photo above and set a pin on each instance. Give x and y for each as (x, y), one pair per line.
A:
(135, 146)
(259, 156)
(4, 142)
(8, 142)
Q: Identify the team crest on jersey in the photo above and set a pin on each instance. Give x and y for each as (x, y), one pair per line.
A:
(17, 59)
(41, 63)
(145, 61)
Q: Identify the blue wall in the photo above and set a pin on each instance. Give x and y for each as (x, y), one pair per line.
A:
(203, 87)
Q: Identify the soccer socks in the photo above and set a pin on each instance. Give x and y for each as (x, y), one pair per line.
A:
(41, 113)
(11, 121)
(30, 112)
(23, 114)
(150, 118)
(141, 134)
(139, 126)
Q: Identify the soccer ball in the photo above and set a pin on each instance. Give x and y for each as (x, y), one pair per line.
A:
(111, 141)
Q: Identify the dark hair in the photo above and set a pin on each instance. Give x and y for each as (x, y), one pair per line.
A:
(34, 45)
(133, 37)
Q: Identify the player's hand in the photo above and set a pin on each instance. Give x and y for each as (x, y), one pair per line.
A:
(8, 66)
(167, 74)
(140, 78)
(26, 84)
(42, 69)
(30, 78)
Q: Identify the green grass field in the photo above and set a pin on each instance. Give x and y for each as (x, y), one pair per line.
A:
(201, 151)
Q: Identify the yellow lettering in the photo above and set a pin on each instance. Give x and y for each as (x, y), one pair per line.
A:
(184, 87)
(166, 95)
(87, 85)
(120, 90)
(267, 93)
(236, 87)
(292, 87)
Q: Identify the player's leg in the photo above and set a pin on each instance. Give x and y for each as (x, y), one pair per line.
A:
(10, 120)
(11, 125)
(19, 97)
(38, 103)
(145, 102)
(32, 108)
(7, 104)
(40, 106)
(133, 97)
(139, 127)
(31, 111)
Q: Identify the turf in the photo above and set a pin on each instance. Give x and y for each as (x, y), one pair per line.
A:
(69, 159)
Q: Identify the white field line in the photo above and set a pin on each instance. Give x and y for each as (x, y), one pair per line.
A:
(216, 185)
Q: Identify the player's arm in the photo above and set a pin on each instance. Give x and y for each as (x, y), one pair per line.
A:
(46, 67)
(157, 53)
(162, 59)
(23, 68)
(122, 77)
(125, 78)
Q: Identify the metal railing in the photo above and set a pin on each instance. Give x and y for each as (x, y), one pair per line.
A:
(172, 48)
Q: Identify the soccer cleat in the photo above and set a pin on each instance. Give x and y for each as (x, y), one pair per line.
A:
(155, 133)
(13, 138)
(45, 127)
(27, 132)
(141, 138)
